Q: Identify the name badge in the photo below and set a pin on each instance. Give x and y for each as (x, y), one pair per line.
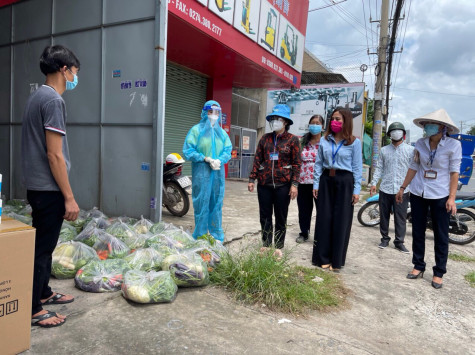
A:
(430, 174)
(274, 156)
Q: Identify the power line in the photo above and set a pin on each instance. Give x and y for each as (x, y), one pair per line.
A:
(435, 92)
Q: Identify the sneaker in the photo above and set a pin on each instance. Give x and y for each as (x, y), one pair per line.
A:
(402, 248)
(301, 238)
(383, 244)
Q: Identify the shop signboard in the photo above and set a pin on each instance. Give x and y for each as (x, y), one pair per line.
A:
(246, 18)
(223, 8)
(319, 100)
(239, 26)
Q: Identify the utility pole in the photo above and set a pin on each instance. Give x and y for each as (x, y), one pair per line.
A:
(461, 127)
(380, 72)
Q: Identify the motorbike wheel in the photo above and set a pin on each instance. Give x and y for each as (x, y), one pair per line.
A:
(368, 215)
(466, 219)
(179, 196)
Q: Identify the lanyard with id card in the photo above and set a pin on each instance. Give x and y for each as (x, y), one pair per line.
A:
(332, 170)
(274, 155)
(431, 174)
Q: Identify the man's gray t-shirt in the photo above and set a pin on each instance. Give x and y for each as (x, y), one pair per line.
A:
(45, 110)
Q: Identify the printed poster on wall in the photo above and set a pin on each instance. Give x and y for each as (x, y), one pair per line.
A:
(291, 45)
(319, 100)
(246, 17)
(268, 27)
(223, 8)
(204, 2)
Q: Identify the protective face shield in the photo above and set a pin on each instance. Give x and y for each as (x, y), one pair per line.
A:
(213, 114)
(276, 124)
(431, 129)
(315, 129)
(397, 134)
(70, 85)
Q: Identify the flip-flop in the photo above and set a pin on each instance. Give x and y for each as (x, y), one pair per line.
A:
(56, 299)
(35, 321)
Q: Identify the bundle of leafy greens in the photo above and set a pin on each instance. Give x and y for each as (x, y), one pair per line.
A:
(89, 235)
(159, 227)
(147, 259)
(101, 275)
(79, 222)
(98, 222)
(69, 257)
(149, 287)
(67, 233)
(143, 226)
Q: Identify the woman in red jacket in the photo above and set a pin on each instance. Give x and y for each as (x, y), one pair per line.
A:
(277, 170)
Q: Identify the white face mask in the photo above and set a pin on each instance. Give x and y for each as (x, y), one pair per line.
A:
(397, 134)
(276, 125)
(213, 119)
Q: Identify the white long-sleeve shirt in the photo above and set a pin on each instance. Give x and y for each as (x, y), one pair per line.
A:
(393, 163)
(447, 159)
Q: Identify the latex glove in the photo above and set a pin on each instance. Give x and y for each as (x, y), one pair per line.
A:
(208, 160)
(215, 164)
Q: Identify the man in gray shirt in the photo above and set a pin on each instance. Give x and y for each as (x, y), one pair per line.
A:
(45, 165)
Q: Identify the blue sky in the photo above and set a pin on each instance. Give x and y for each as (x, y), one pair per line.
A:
(435, 70)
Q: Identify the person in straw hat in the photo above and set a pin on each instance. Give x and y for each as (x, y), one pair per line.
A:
(433, 175)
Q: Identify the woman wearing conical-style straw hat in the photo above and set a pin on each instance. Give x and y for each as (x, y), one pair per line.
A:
(433, 177)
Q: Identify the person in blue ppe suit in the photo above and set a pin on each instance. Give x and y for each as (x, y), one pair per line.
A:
(208, 147)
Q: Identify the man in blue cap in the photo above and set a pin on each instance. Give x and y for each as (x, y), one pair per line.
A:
(208, 147)
(277, 170)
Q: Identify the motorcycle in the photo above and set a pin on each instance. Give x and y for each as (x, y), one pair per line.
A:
(176, 188)
(461, 226)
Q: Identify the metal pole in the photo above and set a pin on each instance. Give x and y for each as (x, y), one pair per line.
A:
(160, 55)
(379, 88)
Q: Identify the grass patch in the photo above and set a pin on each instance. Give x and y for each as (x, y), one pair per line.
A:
(470, 277)
(460, 257)
(260, 278)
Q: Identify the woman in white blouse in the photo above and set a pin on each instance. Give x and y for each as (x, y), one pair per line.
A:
(433, 176)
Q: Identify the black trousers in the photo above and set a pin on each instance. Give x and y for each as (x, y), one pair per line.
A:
(305, 201)
(334, 219)
(47, 212)
(387, 202)
(273, 199)
(440, 225)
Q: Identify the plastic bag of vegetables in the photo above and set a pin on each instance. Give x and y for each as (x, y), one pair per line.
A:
(16, 205)
(109, 247)
(79, 222)
(89, 236)
(24, 219)
(95, 213)
(147, 259)
(125, 233)
(101, 275)
(67, 233)
(162, 226)
(143, 226)
(149, 287)
(164, 249)
(98, 222)
(209, 256)
(187, 270)
(162, 239)
(180, 236)
(69, 257)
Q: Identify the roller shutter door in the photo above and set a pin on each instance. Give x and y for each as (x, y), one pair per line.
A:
(185, 96)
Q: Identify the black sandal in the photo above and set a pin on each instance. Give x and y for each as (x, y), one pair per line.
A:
(35, 321)
(56, 299)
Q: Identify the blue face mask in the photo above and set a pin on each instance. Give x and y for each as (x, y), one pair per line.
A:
(70, 85)
(431, 129)
(315, 129)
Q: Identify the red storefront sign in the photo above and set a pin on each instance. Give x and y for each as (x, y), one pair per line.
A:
(293, 12)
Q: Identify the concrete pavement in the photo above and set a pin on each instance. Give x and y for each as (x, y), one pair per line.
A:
(386, 313)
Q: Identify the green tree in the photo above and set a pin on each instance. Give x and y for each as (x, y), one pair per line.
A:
(368, 126)
(471, 131)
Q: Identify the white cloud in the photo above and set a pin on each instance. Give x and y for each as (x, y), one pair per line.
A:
(438, 56)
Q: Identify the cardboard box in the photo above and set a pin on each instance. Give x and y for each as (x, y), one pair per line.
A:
(17, 248)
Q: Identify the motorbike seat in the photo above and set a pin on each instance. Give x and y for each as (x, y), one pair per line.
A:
(465, 196)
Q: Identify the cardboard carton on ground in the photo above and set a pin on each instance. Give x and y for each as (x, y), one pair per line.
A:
(17, 246)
